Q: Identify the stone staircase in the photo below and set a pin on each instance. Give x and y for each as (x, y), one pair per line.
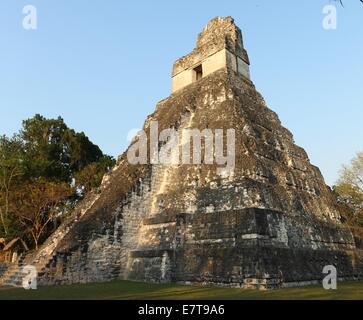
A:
(40, 259)
(13, 276)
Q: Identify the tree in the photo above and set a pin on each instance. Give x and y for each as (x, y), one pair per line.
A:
(350, 187)
(90, 177)
(11, 172)
(55, 151)
(38, 166)
(341, 2)
(36, 204)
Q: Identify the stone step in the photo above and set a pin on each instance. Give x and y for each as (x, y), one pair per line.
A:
(14, 278)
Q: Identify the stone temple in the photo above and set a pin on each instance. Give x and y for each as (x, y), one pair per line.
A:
(272, 223)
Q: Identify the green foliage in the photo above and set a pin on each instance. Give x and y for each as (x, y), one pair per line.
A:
(55, 151)
(349, 188)
(36, 204)
(11, 175)
(38, 166)
(90, 176)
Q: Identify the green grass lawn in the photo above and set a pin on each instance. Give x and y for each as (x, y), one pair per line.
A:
(126, 290)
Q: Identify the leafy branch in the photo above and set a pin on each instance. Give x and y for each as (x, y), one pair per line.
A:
(341, 2)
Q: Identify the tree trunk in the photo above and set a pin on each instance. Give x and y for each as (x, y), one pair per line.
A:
(3, 222)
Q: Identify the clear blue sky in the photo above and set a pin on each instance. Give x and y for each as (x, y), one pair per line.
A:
(103, 65)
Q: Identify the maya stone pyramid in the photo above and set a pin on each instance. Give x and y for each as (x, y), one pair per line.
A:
(271, 223)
